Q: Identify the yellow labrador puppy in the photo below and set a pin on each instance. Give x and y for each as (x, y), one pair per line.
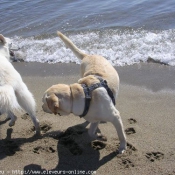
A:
(93, 97)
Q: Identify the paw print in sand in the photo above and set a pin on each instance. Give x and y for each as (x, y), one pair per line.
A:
(153, 156)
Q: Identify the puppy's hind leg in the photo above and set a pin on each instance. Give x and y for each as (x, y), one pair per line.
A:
(115, 119)
(27, 102)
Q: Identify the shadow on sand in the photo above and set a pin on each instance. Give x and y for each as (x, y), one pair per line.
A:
(76, 153)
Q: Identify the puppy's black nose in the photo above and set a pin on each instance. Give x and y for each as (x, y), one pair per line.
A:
(59, 114)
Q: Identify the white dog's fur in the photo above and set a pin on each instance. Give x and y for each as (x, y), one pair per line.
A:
(14, 94)
(64, 99)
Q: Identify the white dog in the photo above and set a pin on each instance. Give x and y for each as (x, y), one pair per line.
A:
(100, 83)
(14, 94)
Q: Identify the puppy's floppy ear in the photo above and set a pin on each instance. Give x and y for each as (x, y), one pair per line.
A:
(2, 39)
(53, 103)
(56, 107)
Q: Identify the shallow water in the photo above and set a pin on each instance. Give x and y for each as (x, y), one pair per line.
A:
(124, 32)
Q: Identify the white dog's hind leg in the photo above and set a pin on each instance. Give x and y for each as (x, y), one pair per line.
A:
(12, 117)
(27, 102)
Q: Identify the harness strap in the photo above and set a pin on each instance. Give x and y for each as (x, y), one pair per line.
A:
(105, 85)
(88, 92)
(87, 99)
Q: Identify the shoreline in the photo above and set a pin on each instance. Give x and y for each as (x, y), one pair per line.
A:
(152, 76)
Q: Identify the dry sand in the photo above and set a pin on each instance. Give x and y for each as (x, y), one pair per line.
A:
(147, 105)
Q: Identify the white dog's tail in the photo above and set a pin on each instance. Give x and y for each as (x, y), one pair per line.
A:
(80, 54)
(8, 99)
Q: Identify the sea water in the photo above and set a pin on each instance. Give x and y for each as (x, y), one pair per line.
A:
(125, 32)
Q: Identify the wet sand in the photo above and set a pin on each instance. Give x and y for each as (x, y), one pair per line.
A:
(146, 103)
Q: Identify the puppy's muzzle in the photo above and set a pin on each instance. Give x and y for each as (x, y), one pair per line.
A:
(45, 109)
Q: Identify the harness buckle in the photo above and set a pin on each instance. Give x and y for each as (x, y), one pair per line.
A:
(88, 97)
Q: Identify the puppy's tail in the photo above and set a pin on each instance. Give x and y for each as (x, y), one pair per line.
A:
(8, 100)
(79, 54)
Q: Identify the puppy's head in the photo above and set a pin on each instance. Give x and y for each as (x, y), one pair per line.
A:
(57, 100)
(6, 47)
(51, 104)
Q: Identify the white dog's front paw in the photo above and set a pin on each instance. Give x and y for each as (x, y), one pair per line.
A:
(12, 123)
(12, 117)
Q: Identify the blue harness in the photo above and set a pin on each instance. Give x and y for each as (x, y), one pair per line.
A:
(88, 92)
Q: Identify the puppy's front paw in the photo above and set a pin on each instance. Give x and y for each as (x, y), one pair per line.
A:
(101, 137)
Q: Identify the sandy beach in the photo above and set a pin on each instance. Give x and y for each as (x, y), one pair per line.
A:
(147, 105)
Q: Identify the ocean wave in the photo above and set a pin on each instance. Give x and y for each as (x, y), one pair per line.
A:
(120, 46)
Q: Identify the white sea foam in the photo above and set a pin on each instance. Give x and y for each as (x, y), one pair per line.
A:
(120, 47)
